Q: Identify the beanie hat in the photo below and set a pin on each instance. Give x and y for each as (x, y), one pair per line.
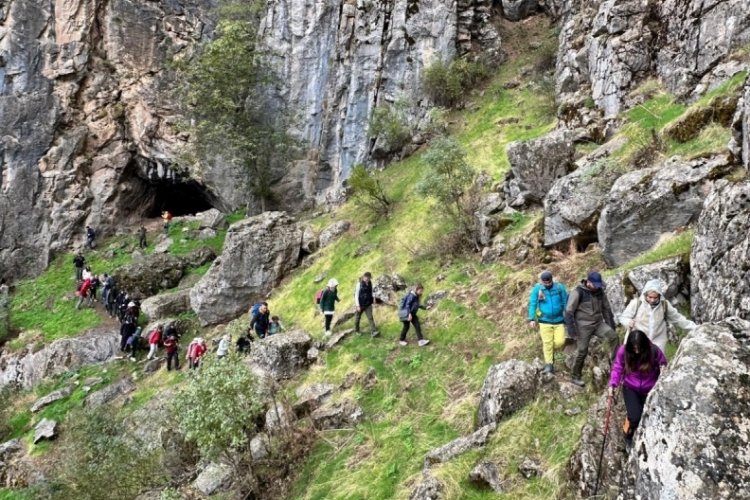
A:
(545, 276)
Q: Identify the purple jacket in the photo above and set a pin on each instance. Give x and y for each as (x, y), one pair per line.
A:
(638, 381)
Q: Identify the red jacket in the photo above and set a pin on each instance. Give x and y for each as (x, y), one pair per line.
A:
(170, 344)
(196, 350)
(84, 287)
(154, 337)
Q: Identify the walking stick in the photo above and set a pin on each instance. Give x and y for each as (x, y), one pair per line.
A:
(604, 442)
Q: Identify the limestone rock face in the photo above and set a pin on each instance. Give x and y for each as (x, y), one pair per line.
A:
(109, 393)
(166, 304)
(24, 370)
(648, 203)
(282, 356)
(51, 398)
(46, 429)
(515, 10)
(258, 252)
(508, 387)
(696, 419)
(720, 255)
(332, 232)
(149, 276)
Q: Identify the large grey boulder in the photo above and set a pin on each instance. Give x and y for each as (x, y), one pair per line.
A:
(45, 429)
(515, 10)
(507, 388)
(26, 369)
(385, 288)
(166, 304)
(458, 446)
(147, 277)
(282, 356)
(721, 252)
(258, 252)
(213, 478)
(535, 165)
(337, 415)
(332, 232)
(693, 433)
(51, 398)
(211, 219)
(311, 397)
(278, 417)
(428, 488)
(487, 473)
(109, 393)
(646, 204)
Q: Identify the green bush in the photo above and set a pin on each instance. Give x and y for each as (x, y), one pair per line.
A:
(389, 124)
(368, 192)
(448, 84)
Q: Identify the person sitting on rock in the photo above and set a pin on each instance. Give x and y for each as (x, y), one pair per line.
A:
(636, 367)
(328, 303)
(650, 312)
(195, 351)
(261, 320)
(363, 302)
(154, 339)
(588, 313)
(547, 307)
(171, 347)
(275, 326)
(224, 344)
(408, 315)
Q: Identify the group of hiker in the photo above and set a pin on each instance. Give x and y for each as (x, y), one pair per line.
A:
(585, 312)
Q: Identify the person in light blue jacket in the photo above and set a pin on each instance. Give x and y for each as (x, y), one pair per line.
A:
(547, 307)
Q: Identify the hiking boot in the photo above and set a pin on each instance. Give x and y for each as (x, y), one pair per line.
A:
(423, 342)
(374, 334)
(402, 342)
(548, 368)
(357, 332)
(577, 381)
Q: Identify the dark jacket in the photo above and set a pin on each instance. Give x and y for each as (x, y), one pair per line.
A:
(363, 294)
(412, 303)
(329, 299)
(260, 323)
(78, 261)
(587, 309)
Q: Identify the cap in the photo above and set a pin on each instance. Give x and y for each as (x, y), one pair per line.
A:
(595, 279)
(545, 276)
(333, 282)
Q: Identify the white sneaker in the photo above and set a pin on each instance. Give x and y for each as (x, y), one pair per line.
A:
(403, 342)
(423, 342)
(328, 333)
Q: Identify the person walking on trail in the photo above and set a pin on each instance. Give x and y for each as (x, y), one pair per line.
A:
(651, 312)
(142, 237)
(127, 328)
(547, 308)
(78, 263)
(224, 344)
(261, 319)
(83, 292)
(195, 352)
(154, 339)
(275, 326)
(171, 346)
(363, 301)
(588, 313)
(166, 216)
(87, 274)
(90, 235)
(408, 315)
(328, 303)
(636, 367)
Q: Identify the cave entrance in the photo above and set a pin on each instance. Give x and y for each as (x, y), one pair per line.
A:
(179, 196)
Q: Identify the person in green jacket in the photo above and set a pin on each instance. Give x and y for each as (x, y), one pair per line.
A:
(547, 308)
(328, 303)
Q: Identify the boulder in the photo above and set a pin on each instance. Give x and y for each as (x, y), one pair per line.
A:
(211, 219)
(153, 365)
(311, 397)
(309, 240)
(487, 474)
(51, 398)
(337, 337)
(26, 369)
(166, 304)
(109, 393)
(46, 429)
(278, 417)
(429, 488)
(507, 388)
(332, 232)
(259, 446)
(258, 252)
(386, 287)
(515, 10)
(647, 204)
(530, 468)
(339, 415)
(148, 277)
(282, 356)
(720, 255)
(213, 478)
(459, 446)
(695, 424)
(163, 246)
(199, 256)
(9, 448)
(207, 234)
(535, 165)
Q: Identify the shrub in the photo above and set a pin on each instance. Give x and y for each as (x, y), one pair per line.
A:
(368, 192)
(448, 84)
(389, 124)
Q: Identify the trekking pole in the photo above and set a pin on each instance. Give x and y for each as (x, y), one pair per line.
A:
(604, 442)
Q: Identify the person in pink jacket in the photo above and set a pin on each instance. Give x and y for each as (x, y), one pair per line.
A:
(154, 339)
(636, 367)
(195, 352)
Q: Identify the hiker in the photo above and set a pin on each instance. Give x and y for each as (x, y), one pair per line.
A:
(95, 282)
(195, 351)
(170, 345)
(363, 301)
(547, 307)
(87, 274)
(328, 303)
(260, 319)
(275, 326)
(408, 315)
(243, 343)
(142, 237)
(109, 285)
(154, 339)
(78, 262)
(90, 235)
(588, 313)
(637, 367)
(83, 291)
(650, 312)
(167, 218)
(224, 344)
(127, 328)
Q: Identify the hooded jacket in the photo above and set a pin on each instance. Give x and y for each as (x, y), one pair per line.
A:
(652, 320)
(328, 300)
(551, 307)
(587, 309)
(638, 381)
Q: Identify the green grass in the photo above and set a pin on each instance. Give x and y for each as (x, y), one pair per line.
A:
(677, 245)
(25, 494)
(731, 86)
(712, 139)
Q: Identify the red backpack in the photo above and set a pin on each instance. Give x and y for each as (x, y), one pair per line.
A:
(319, 296)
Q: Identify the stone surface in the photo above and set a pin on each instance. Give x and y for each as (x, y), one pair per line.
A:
(459, 446)
(282, 356)
(258, 252)
(278, 417)
(428, 488)
(332, 232)
(213, 478)
(720, 255)
(704, 390)
(507, 388)
(51, 398)
(148, 277)
(311, 397)
(259, 446)
(487, 474)
(515, 10)
(166, 304)
(535, 165)
(26, 369)
(211, 219)
(385, 288)
(109, 393)
(647, 204)
(337, 338)
(338, 415)
(45, 429)
(530, 468)
(153, 365)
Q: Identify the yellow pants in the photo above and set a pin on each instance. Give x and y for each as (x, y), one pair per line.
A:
(553, 338)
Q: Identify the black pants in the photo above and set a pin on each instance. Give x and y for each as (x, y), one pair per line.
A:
(173, 356)
(142, 242)
(634, 402)
(124, 341)
(417, 327)
(329, 318)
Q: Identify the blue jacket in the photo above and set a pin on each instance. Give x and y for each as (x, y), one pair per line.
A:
(553, 305)
(411, 302)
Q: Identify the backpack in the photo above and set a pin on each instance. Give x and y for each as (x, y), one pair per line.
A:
(403, 311)
(256, 309)
(319, 295)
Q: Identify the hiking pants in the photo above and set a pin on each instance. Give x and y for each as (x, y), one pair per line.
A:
(193, 363)
(152, 351)
(553, 339)
(634, 402)
(173, 356)
(123, 341)
(329, 318)
(604, 332)
(142, 241)
(417, 327)
(367, 311)
(79, 274)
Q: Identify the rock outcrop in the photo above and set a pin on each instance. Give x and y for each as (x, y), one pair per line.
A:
(720, 255)
(507, 388)
(45, 429)
(258, 252)
(332, 232)
(282, 356)
(338, 415)
(459, 446)
(24, 370)
(166, 304)
(51, 398)
(147, 277)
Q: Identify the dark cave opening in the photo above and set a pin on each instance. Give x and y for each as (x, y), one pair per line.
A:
(180, 197)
